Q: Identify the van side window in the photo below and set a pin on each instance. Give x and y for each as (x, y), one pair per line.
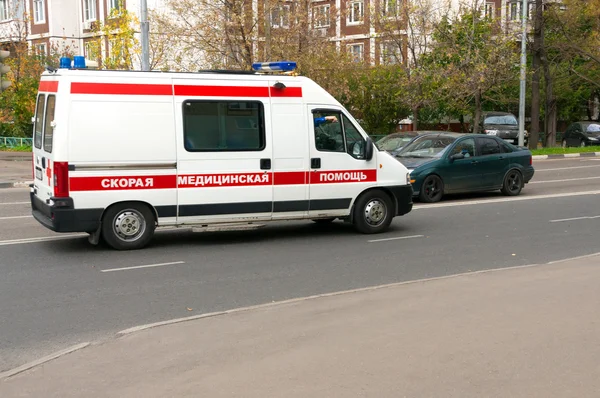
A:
(329, 136)
(354, 140)
(48, 129)
(39, 121)
(210, 126)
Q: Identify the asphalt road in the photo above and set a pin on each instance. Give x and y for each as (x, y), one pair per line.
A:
(56, 293)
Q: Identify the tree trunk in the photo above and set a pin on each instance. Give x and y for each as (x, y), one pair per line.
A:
(415, 114)
(477, 116)
(551, 114)
(535, 81)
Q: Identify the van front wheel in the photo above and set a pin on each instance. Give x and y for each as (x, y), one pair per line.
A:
(373, 212)
(128, 226)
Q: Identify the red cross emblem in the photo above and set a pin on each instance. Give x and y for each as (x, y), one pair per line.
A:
(49, 173)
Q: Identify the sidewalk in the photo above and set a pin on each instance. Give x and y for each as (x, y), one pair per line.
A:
(523, 332)
(15, 169)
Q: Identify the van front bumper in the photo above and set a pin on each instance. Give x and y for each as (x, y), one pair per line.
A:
(63, 217)
(403, 195)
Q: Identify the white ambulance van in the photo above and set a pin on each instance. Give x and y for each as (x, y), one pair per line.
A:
(118, 153)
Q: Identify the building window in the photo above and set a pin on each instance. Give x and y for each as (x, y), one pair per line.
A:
(89, 10)
(489, 10)
(41, 50)
(4, 14)
(223, 126)
(357, 52)
(356, 12)
(114, 5)
(391, 53)
(516, 10)
(38, 11)
(92, 50)
(390, 8)
(280, 16)
(321, 16)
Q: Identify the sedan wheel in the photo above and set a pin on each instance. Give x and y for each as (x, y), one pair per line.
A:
(564, 143)
(513, 183)
(432, 189)
(582, 143)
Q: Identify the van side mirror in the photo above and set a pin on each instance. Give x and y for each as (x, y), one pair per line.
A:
(369, 149)
(457, 156)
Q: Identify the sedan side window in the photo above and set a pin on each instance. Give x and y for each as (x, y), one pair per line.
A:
(489, 146)
(466, 147)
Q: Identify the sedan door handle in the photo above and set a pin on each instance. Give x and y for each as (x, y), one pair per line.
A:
(501, 158)
(474, 162)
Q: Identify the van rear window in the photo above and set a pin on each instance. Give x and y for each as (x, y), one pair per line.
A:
(210, 126)
(48, 129)
(38, 125)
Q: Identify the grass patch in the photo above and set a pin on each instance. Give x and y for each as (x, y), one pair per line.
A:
(560, 150)
(22, 148)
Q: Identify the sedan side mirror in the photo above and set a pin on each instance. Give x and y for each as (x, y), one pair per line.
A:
(457, 156)
(369, 149)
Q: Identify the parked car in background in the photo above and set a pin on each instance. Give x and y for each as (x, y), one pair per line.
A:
(394, 142)
(442, 163)
(503, 125)
(582, 134)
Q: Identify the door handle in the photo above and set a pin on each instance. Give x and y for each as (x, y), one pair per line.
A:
(474, 162)
(501, 158)
(265, 164)
(43, 162)
(315, 163)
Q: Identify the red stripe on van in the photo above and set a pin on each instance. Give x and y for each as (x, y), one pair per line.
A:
(286, 92)
(121, 89)
(291, 178)
(48, 86)
(222, 91)
(122, 183)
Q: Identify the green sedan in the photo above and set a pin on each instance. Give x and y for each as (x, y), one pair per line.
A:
(443, 163)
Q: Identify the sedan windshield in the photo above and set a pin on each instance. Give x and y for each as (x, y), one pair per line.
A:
(426, 147)
(509, 120)
(593, 128)
(391, 143)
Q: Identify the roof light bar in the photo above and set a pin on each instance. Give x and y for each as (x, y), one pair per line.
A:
(279, 66)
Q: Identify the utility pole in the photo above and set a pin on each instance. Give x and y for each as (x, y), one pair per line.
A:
(523, 74)
(145, 33)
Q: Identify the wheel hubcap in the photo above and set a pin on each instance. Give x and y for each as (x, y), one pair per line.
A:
(432, 189)
(129, 225)
(375, 212)
(514, 182)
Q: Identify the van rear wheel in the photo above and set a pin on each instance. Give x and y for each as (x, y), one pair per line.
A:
(373, 212)
(128, 226)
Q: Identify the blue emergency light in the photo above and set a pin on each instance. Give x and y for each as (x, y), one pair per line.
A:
(77, 63)
(279, 66)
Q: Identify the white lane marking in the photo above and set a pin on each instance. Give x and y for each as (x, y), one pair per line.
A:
(576, 218)
(564, 168)
(501, 200)
(14, 217)
(26, 203)
(396, 238)
(565, 180)
(40, 239)
(142, 266)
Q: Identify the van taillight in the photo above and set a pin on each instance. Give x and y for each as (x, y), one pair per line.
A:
(530, 160)
(61, 179)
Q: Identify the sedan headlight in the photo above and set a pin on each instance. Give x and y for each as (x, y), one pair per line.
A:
(593, 139)
(408, 178)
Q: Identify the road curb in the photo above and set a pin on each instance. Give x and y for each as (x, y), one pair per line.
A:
(37, 362)
(18, 184)
(566, 155)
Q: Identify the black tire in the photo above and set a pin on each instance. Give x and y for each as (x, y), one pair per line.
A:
(432, 189)
(373, 212)
(513, 183)
(128, 226)
(322, 221)
(564, 143)
(582, 144)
